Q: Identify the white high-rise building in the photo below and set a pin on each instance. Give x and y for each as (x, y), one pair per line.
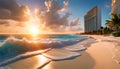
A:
(92, 20)
(115, 6)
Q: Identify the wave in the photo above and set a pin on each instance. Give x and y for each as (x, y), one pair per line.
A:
(75, 48)
(13, 49)
(60, 54)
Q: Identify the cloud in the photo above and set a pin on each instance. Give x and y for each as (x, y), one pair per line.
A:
(4, 22)
(55, 16)
(9, 9)
(9, 22)
(75, 22)
(5, 14)
(66, 3)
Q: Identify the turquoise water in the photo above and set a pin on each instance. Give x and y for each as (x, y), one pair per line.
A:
(12, 46)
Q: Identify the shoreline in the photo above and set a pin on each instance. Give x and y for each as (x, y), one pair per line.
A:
(26, 55)
(22, 56)
(97, 56)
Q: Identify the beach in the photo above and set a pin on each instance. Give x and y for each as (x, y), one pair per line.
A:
(99, 55)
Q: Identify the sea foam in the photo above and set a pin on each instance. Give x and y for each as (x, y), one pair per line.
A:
(75, 48)
(60, 54)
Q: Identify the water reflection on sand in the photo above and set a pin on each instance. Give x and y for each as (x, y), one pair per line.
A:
(35, 62)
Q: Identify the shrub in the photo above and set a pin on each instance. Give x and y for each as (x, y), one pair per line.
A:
(116, 34)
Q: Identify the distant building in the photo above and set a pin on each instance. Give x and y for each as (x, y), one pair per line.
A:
(92, 20)
(115, 6)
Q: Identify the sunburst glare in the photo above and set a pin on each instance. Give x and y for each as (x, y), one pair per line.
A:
(34, 30)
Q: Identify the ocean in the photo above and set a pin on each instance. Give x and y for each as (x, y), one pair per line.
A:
(55, 47)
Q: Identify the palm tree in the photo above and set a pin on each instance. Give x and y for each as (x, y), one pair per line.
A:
(109, 24)
(114, 22)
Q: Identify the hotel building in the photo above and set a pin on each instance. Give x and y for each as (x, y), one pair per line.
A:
(115, 6)
(92, 20)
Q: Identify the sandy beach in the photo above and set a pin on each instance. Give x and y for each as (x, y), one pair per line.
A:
(99, 55)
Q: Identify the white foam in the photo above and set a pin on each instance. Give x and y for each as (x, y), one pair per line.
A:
(80, 46)
(1, 43)
(60, 54)
(75, 48)
(87, 41)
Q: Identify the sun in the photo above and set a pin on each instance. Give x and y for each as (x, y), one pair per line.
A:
(34, 30)
(33, 24)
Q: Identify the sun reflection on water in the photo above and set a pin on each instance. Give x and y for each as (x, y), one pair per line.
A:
(43, 61)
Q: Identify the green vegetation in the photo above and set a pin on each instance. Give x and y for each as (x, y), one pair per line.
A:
(116, 33)
(114, 24)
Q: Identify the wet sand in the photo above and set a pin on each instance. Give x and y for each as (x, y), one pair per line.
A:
(34, 62)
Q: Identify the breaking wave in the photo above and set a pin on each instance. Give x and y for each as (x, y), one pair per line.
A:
(55, 47)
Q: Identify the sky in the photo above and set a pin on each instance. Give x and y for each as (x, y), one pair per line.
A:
(78, 8)
(71, 12)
